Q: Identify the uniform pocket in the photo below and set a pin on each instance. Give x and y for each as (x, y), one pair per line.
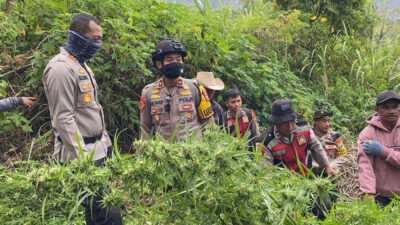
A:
(186, 110)
(86, 93)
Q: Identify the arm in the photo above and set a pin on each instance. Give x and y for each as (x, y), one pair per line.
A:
(255, 132)
(204, 109)
(366, 171)
(317, 150)
(319, 154)
(9, 103)
(145, 116)
(61, 94)
(391, 156)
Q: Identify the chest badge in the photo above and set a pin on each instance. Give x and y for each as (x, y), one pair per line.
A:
(81, 71)
(155, 91)
(185, 87)
(189, 115)
(184, 93)
(301, 140)
(87, 86)
(157, 118)
(73, 58)
(87, 97)
(155, 97)
(245, 119)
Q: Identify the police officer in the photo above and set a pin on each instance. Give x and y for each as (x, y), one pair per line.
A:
(71, 92)
(330, 140)
(172, 100)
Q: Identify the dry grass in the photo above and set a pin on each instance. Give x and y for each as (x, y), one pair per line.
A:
(348, 181)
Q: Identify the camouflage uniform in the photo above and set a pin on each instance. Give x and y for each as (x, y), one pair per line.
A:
(163, 108)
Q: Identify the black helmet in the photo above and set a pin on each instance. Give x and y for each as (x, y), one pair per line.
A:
(168, 46)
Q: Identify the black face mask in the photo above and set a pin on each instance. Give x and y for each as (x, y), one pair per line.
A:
(172, 70)
(80, 46)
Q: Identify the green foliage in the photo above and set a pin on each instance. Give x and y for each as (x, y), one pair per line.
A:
(200, 181)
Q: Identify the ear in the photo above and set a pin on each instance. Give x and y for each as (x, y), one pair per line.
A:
(226, 104)
(376, 109)
(159, 64)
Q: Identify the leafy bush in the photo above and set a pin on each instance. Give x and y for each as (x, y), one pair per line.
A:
(199, 181)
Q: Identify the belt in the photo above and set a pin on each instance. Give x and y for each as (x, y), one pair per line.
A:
(87, 140)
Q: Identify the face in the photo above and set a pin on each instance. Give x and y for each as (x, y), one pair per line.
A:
(389, 112)
(170, 58)
(234, 104)
(94, 32)
(286, 128)
(210, 93)
(323, 124)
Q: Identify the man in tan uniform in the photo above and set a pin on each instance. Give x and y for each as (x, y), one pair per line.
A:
(173, 100)
(71, 92)
(330, 140)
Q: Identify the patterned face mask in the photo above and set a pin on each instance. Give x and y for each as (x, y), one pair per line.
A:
(83, 48)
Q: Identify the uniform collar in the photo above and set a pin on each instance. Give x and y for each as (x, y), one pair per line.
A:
(283, 138)
(64, 52)
(319, 133)
(161, 84)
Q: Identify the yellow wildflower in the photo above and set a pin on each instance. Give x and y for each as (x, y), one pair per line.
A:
(313, 18)
(323, 20)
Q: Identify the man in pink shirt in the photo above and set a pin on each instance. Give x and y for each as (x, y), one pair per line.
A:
(379, 150)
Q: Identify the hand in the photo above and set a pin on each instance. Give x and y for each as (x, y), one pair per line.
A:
(28, 101)
(372, 147)
(330, 171)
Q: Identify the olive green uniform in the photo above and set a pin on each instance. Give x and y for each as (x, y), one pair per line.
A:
(335, 149)
(163, 108)
(71, 92)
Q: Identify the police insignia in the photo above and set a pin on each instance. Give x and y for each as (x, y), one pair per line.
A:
(157, 117)
(73, 57)
(245, 119)
(142, 103)
(87, 86)
(155, 91)
(186, 106)
(81, 71)
(154, 110)
(87, 97)
(160, 83)
(155, 97)
(301, 140)
(189, 115)
(185, 93)
(185, 87)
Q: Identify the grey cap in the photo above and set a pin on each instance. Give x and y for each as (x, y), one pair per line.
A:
(282, 111)
(386, 96)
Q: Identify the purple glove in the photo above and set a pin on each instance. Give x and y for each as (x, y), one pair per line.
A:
(372, 147)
